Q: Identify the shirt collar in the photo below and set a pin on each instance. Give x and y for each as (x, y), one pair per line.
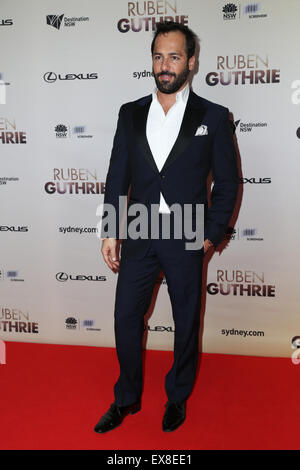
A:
(182, 95)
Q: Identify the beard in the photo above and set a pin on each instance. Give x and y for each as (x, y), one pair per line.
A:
(175, 85)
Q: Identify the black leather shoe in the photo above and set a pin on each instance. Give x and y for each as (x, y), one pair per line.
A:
(115, 416)
(174, 416)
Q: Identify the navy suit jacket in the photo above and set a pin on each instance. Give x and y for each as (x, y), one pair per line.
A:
(183, 178)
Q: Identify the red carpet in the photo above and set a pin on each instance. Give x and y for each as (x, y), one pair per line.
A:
(53, 395)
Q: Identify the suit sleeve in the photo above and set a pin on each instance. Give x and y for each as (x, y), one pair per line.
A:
(117, 179)
(225, 181)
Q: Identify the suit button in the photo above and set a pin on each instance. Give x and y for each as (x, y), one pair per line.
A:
(162, 176)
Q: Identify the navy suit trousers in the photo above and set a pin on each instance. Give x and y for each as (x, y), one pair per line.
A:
(136, 281)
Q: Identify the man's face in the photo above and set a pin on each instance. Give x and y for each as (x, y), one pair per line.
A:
(171, 66)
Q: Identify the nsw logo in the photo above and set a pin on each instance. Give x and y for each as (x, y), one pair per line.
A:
(230, 11)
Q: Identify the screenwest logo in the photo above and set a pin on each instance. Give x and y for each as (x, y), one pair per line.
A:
(143, 15)
(253, 11)
(11, 275)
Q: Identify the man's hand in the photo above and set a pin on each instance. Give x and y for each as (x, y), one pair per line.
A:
(110, 251)
(206, 245)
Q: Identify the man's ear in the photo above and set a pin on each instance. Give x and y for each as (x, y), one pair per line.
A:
(192, 62)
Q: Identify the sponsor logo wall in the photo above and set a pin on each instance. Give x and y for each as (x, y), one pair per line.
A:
(63, 78)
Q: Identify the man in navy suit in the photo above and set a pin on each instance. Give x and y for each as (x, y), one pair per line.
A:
(165, 146)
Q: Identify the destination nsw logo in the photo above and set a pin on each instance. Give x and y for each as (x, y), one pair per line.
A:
(56, 20)
(240, 283)
(74, 181)
(143, 15)
(251, 69)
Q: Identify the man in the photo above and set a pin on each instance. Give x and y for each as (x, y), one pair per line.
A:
(164, 148)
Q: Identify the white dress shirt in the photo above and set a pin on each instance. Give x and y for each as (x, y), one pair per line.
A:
(162, 131)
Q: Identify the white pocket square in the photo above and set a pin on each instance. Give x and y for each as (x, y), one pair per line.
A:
(202, 130)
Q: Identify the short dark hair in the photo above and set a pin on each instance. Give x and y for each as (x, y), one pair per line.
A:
(167, 26)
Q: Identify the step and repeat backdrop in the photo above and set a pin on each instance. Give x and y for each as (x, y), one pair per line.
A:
(66, 67)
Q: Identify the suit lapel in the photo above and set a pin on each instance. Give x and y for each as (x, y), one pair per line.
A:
(192, 119)
(140, 121)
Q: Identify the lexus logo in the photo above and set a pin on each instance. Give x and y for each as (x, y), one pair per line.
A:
(6, 228)
(255, 180)
(50, 77)
(170, 329)
(62, 277)
(296, 342)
